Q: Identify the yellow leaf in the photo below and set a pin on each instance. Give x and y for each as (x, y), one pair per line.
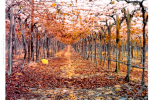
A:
(53, 5)
(70, 74)
(77, 12)
(20, 7)
(71, 96)
(64, 14)
(44, 61)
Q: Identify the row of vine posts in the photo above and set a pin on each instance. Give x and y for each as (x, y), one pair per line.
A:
(95, 48)
(33, 47)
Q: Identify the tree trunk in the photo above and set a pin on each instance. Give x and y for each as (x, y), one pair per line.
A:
(127, 78)
(109, 58)
(32, 47)
(104, 49)
(144, 42)
(13, 37)
(91, 48)
(101, 48)
(95, 48)
(47, 46)
(118, 45)
(29, 45)
(82, 48)
(10, 55)
(37, 46)
(32, 26)
(24, 43)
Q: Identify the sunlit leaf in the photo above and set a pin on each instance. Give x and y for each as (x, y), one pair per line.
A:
(53, 5)
(44, 61)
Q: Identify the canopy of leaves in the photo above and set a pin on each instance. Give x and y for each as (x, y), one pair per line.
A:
(71, 21)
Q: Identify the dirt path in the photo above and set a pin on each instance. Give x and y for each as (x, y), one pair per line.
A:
(67, 71)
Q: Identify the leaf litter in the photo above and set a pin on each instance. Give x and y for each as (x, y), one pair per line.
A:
(68, 76)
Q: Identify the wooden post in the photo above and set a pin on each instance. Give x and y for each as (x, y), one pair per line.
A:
(92, 47)
(43, 45)
(23, 42)
(127, 78)
(50, 46)
(13, 37)
(118, 44)
(145, 20)
(90, 44)
(132, 47)
(95, 48)
(89, 48)
(47, 46)
(86, 48)
(82, 48)
(32, 47)
(87, 39)
(53, 46)
(101, 47)
(29, 44)
(113, 51)
(37, 45)
(141, 51)
(104, 48)
(109, 44)
(10, 55)
(122, 49)
(32, 25)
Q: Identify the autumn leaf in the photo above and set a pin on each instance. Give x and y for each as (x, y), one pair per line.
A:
(19, 33)
(113, 2)
(42, 66)
(44, 61)
(70, 74)
(18, 73)
(20, 7)
(53, 5)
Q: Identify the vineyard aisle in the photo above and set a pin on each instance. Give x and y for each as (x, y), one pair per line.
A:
(67, 76)
(75, 66)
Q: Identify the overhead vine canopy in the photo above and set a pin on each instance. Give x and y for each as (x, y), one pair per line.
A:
(69, 21)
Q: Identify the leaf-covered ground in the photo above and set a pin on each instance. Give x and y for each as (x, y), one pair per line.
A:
(68, 76)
